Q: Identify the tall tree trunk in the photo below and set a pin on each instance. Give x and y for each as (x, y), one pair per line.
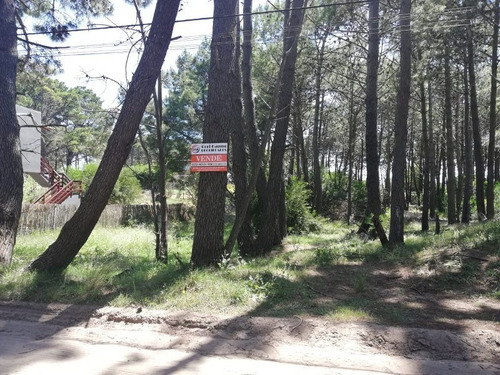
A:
(450, 145)
(396, 234)
(490, 187)
(11, 177)
(302, 146)
(270, 217)
(248, 100)
(476, 132)
(152, 188)
(245, 236)
(469, 162)
(277, 231)
(459, 141)
(318, 190)
(371, 116)
(432, 157)
(411, 170)
(387, 179)
(76, 231)
(425, 145)
(350, 151)
(223, 109)
(497, 166)
(162, 246)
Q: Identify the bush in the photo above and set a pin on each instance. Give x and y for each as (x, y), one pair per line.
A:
(126, 189)
(141, 171)
(31, 189)
(300, 219)
(335, 196)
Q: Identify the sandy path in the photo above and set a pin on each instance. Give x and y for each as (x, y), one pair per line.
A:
(69, 339)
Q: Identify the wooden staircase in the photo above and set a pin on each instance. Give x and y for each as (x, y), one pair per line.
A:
(61, 186)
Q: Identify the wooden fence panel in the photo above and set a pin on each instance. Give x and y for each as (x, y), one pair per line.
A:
(38, 217)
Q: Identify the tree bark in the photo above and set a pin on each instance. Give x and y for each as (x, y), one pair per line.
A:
(208, 241)
(476, 133)
(469, 162)
(162, 246)
(450, 145)
(352, 124)
(245, 236)
(11, 177)
(490, 187)
(396, 234)
(459, 142)
(318, 189)
(432, 156)
(299, 134)
(426, 169)
(76, 231)
(371, 134)
(248, 100)
(270, 217)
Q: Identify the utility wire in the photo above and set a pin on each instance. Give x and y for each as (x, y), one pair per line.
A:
(108, 27)
(447, 19)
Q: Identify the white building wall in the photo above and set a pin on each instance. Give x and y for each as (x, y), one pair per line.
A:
(30, 121)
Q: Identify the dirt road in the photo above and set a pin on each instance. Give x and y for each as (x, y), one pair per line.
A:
(67, 339)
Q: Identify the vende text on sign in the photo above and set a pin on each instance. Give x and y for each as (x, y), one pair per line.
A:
(209, 157)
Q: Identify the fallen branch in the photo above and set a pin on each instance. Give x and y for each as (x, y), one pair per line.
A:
(317, 291)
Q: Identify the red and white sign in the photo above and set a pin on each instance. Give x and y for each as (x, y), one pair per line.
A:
(209, 157)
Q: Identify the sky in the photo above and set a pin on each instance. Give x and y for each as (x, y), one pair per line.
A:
(97, 53)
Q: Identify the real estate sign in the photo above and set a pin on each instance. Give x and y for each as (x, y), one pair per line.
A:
(209, 157)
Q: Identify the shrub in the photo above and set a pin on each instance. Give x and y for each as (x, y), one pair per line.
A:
(126, 190)
(300, 219)
(335, 196)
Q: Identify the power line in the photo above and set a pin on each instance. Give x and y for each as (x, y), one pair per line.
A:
(131, 26)
(447, 19)
(192, 42)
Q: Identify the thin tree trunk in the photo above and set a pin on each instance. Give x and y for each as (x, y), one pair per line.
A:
(152, 189)
(162, 249)
(396, 234)
(11, 176)
(76, 231)
(248, 100)
(245, 237)
(350, 152)
(387, 184)
(497, 166)
(476, 133)
(490, 187)
(432, 157)
(371, 116)
(318, 190)
(159, 214)
(469, 162)
(459, 141)
(450, 144)
(425, 145)
(444, 172)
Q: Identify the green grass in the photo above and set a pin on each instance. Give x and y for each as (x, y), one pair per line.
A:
(117, 267)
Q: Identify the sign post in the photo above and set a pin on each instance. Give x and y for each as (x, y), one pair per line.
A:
(209, 157)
